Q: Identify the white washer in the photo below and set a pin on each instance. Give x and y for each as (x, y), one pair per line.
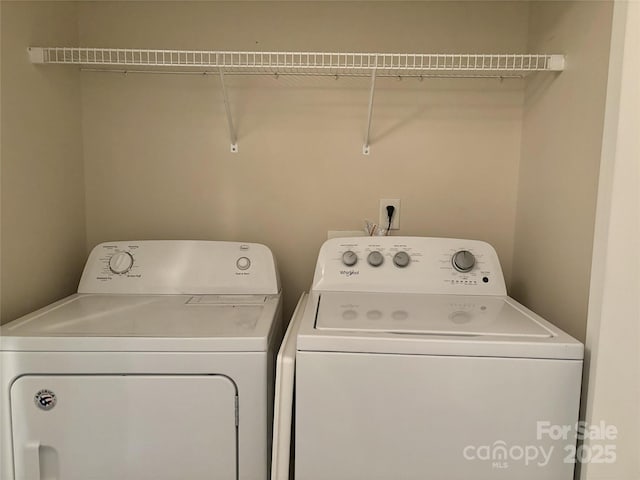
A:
(159, 368)
(411, 362)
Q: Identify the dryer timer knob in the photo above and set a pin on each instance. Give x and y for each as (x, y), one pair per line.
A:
(120, 262)
(463, 261)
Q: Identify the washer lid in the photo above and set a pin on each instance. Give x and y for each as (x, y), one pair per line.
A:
(426, 315)
(146, 322)
(423, 324)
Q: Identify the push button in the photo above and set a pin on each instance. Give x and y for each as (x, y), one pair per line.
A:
(243, 263)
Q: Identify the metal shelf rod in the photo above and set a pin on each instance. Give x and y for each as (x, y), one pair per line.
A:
(301, 74)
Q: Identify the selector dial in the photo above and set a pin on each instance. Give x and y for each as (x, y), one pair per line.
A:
(349, 258)
(463, 261)
(375, 258)
(401, 259)
(121, 262)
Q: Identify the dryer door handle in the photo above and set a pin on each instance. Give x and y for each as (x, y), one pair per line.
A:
(32, 461)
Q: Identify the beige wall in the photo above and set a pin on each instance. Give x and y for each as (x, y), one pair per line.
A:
(561, 142)
(156, 148)
(43, 227)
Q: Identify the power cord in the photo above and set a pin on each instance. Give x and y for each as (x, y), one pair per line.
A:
(390, 211)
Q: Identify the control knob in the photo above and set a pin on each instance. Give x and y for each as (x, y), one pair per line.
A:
(243, 263)
(401, 259)
(463, 261)
(375, 258)
(120, 262)
(349, 258)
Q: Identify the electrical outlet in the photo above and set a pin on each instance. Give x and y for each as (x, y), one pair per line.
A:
(384, 218)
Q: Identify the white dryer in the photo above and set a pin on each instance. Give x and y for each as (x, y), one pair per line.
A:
(159, 368)
(411, 362)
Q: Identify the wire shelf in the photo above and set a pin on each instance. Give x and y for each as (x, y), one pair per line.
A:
(299, 63)
(305, 63)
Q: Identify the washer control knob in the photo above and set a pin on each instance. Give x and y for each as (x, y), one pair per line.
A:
(243, 263)
(401, 259)
(120, 262)
(463, 261)
(349, 258)
(375, 258)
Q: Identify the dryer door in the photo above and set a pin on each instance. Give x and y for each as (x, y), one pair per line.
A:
(106, 427)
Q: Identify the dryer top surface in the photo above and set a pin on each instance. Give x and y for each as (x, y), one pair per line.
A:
(226, 322)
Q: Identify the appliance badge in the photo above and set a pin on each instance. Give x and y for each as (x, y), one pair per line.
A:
(349, 273)
(45, 399)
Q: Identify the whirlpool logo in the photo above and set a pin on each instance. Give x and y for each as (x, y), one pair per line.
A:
(349, 273)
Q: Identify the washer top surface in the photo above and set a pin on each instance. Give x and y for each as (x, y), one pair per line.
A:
(459, 315)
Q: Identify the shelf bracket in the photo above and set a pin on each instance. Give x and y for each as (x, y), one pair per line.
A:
(232, 132)
(36, 54)
(365, 147)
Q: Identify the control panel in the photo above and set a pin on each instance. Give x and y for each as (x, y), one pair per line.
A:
(180, 267)
(409, 265)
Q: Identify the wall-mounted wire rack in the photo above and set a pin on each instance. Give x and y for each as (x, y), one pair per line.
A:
(310, 63)
(127, 60)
